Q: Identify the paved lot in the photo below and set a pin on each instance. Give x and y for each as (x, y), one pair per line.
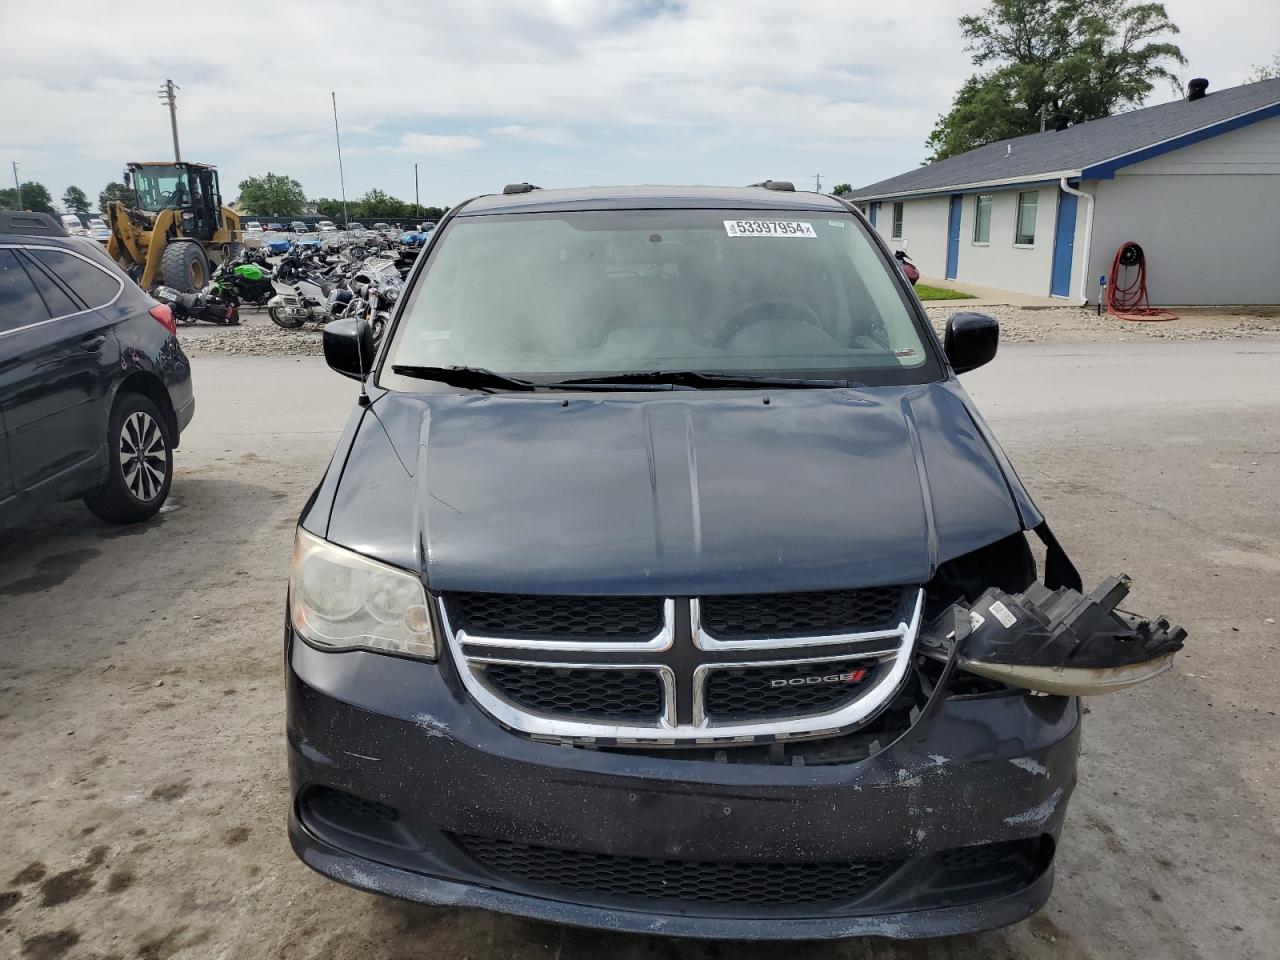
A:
(143, 788)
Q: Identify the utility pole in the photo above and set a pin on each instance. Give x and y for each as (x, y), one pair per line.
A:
(417, 207)
(817, 183)
(170, 99)
(342, 182)
(16, 185)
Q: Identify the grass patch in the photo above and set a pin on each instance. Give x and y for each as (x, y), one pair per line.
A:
(926, 292)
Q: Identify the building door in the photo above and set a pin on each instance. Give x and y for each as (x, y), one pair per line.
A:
(1064, 241)
(953, 237)
(875, 208)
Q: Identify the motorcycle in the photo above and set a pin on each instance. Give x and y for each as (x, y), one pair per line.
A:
(305, 291)
(909, 269)
(201, 305)
(244, 278)
(377, 286)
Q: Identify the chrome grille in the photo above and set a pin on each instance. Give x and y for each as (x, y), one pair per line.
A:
(770, 690)
(564, 669)
(584, 693)
(578, 618)
(800, 614)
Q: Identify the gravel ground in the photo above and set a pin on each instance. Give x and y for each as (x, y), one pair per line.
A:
(257, 336)
(1083, 325)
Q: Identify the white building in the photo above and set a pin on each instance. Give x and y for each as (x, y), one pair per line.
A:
(1195, 182)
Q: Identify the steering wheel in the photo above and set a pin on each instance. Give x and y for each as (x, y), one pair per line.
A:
(741, 318)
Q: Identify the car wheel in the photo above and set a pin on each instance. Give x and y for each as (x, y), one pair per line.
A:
(140, 467)
(184, 267)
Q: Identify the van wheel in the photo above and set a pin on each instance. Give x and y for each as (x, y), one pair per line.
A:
(140, 462)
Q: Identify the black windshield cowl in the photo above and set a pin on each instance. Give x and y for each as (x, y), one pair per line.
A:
(701, 380)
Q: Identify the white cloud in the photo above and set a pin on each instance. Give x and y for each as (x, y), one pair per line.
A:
(438, 145)
(554, 136)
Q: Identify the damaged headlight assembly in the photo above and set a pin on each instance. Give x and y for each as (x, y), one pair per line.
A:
(1056, 641)
(341, 600)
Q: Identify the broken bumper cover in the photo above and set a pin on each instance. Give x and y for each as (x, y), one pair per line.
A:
(402, 786)
(1057, 641)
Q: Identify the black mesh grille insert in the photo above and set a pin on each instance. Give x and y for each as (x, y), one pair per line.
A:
(784, 690)
(580, 694)
(801, 614)
(572, 618)
(705, 882)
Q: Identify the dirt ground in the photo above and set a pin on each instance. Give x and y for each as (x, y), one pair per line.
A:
(144, 790)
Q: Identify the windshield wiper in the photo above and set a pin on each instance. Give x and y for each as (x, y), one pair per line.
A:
(477, 377)
(702, 380)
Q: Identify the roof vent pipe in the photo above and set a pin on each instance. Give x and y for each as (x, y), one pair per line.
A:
(1197, 89)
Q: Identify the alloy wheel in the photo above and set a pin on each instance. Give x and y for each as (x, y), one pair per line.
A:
(144, 456)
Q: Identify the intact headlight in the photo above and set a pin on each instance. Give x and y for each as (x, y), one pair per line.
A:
(340, 599)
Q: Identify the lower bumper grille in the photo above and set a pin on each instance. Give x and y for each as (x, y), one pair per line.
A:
(635, 695)
(688, 880)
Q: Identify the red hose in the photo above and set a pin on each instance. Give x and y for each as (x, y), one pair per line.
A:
(1127, 291)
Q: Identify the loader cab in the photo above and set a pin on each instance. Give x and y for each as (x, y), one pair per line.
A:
(189, 187)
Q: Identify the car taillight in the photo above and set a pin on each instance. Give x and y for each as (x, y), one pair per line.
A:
(164, 316)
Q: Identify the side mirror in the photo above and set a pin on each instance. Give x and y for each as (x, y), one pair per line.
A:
(349, 347)
(971, 340)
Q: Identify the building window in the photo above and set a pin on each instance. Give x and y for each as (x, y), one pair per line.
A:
(897, 220)
(982, 218)
(1024, 232)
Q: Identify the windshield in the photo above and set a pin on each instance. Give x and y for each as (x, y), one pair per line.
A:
(579, 294)
(161, 187)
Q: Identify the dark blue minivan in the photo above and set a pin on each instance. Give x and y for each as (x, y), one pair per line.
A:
(665, 579)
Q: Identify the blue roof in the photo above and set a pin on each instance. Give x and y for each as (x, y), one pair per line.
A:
(1089, 151)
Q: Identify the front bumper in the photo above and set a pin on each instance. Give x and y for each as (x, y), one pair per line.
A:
(403, 736)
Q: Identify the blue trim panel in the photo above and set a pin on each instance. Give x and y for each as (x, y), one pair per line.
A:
(1107, 170)
(1064, 241)
(953, 235)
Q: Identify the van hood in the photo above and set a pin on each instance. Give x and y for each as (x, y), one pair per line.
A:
(678, 493)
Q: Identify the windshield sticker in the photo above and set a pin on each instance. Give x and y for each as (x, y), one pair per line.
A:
(768, 228)
(836, 223)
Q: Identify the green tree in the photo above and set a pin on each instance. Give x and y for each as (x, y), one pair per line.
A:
(1042, 59)
(1266, 71)
(75, 201)
(34, 197)
(273, 194)
(842, 190)
(326, 207)
(115, 191)
(379, 204)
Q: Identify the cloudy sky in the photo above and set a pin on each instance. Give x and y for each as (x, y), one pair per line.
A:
(483, 92)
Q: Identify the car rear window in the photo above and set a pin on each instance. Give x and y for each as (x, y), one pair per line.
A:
(580, 293)
(95, 286)
(55, 296)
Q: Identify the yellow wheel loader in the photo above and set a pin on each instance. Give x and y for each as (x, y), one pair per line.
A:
(176, 227)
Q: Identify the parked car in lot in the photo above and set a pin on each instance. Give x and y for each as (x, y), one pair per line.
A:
(297, 226)
(94, 389)
(253, 225)
(274, 227)
(71, 223)
(693, 596)
(326, 226)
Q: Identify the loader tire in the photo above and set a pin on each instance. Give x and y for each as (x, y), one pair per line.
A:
(184, 267)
